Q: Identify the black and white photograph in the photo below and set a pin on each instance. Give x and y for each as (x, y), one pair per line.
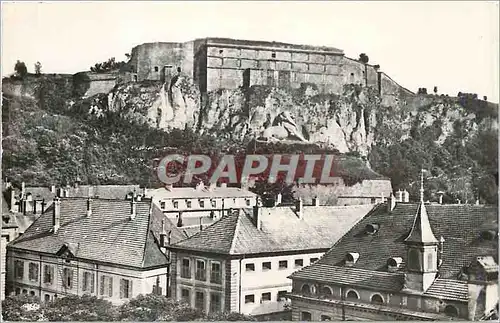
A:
(249, 161)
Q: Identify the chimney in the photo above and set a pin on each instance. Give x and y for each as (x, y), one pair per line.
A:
(133, 208)
(25, 203)
(440, 193)
(383, 198)
(315, 201)
(212, 187)
(391, 203)
(23, 190)
(278, 199)
(298, 208)
(12, 199)
(144, 191)
(89, 206)
(163, 235)
(399, 196)
(56, 215)
(257, 215)
(34, 206)
(223, 185)
(90, 191)
(169, 187)
(406, 196)
(53, 189)
(179, 220)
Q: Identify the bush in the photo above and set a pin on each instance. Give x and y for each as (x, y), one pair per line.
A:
(21, 308)
(80, 308)
(20, 69)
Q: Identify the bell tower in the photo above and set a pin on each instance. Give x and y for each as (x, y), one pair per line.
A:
(422, 250)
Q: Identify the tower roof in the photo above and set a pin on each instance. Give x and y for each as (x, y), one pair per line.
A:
(421, 231)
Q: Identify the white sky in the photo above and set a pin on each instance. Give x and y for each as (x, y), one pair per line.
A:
(451, 44)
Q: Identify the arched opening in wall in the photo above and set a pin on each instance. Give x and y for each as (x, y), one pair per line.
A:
(156, 69)
(306, 289)
(325, 318)
(305, 316)
(352, 295)
(451, 310)
(178, 69)
(377, 299)
(326, 291)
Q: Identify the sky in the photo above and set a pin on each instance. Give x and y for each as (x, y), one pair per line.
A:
(453, 45)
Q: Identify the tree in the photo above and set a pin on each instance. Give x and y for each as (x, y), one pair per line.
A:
(21, 308)
(435, 89)
(20, 69)
(38, 68)
(80, 308)
(485, 98)
(363, 58)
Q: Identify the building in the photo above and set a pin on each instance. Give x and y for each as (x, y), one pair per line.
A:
(241, 262)
(10, 231)
(222, 63)
(191, 208)
(113, 249)
(406, 261)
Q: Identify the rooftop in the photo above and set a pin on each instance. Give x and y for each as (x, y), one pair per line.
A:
(460, 226)
(190, 192)
(237, 234)
(107, 236)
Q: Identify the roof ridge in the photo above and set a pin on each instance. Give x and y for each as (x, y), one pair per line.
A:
(150, 218)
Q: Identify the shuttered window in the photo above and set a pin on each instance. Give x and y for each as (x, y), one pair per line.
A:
(33, 271)
(125, 288)
(215, 273)
(88, 282)
(106, 286)
(48, 274)
(19, 269)
(67, 277)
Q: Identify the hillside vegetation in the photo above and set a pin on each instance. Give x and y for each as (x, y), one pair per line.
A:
(52, 136)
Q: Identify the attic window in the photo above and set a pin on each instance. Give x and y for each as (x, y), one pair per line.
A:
(488, 235)
(371, 228)
(394, 263)
(351, 258)
(273, 55)
(176, 204)
(221, 51)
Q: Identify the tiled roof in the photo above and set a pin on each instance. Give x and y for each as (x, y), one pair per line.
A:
(454, 290)
(108, 235)
(459, 225)
(190, 192)
(101, 191)
(351, 277)
(282, 230)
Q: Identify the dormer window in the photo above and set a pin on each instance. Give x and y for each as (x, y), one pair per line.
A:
(351, 258)
(488, 235)
(394, 263)
(176, 204)
(188, 204)
(214, 203)
(371, 228)
(202, 203)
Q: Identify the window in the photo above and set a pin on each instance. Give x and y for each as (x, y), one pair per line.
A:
(451, 310)
(273, 55)
(266, 265)
(414, 259)
(313, 260)
(25, 291)
(202, 203)
(19, 269)
(249, 299)
(266, 297)
(373, 200)
(299, 263)
(305, 289)
(188, 204)
(186, 268)
(32, 293)
(67, 277)
(221, 51)
(250, 267)
(430, 261)
(186, 295)
(283, 264)
(178, 69)
(352, 295)
(200, 301)
(107, 286)
(156, 68)
(125, 288)
(33, 271)
(46, 297)
(281, 295)
(18, 291)
(162, 204)
(214, 203)
(325, 318)
(88, 282)
(215, 302)
(326, 291)
(377, 299)
(201, 270)
(176, 204)
(305, 316)
(48, 274)
(215, 273)
(247, 201)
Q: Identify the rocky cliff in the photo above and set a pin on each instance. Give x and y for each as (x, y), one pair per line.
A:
(454, 138)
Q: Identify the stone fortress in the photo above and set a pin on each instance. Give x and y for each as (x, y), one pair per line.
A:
(222, 63)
